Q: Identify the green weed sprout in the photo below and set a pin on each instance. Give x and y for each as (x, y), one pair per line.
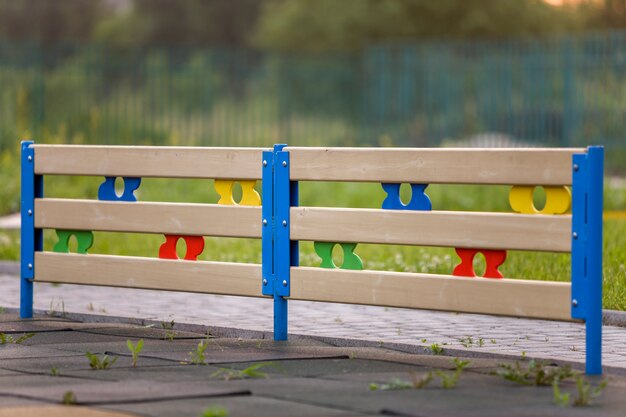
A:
(585, 393)
(96, 363)
(135, 350)
(215, 411)
(7, 338)
(197, 356)
(399, 384)
(536, 374)
(250, 372)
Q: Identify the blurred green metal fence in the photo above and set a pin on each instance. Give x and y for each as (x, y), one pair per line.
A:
(565, 91)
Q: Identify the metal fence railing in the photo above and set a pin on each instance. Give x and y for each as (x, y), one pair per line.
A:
(561, 92)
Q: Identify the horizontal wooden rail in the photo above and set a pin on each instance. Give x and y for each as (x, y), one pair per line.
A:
(149, 273)
(434, 166)
(149, 161)
(508, 297)
(148, 217)
(433, 228)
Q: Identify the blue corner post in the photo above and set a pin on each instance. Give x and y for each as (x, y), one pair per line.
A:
(285, 251)
(587, 191)
(31, 238)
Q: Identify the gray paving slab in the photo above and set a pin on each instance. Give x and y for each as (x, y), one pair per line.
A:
(475, 395)
(55, 337)
(327, 367)
(89, 392)
(235, 406)
(75, 362)
(334, 323)
(10, 401)
(13, 351)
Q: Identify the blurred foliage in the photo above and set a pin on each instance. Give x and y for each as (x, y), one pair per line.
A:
(352, 24)
(297, 25)
(49, 21)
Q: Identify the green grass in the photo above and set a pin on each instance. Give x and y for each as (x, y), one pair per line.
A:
(527, 265)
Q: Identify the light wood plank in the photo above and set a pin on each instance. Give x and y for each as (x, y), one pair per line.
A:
(149, 161)
(433, 228)
(508, 297)
(518, 166)
(149, 273)
(148, 217)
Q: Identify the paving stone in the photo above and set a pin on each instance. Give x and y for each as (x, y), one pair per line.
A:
(325, 367)
(52, 337)
(59, 411)
(14, 351)
(142, 333)
(90, 392)
(75, 362)
(169, 373)
(236, 406)
(16, 401)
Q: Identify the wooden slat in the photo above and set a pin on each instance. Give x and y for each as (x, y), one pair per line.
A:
(149, 273)
(149, 161)
(434, 166)
(433, 228)
(509, 297)
(147, 217)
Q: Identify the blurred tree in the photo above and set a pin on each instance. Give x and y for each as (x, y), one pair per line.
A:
(322, 25)
(48, 21)
(161, 22)
(606, 14)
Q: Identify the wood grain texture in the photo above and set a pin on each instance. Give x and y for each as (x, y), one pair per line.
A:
(517, 166)
(149, 161)
(433, 228)
(149, 273)
(148, 217)
(507, 297)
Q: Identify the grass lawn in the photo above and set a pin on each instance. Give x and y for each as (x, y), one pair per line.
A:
(527, 265)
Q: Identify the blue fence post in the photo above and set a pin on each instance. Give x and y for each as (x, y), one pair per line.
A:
(587, 181)
(31, 239)
(267, 234)
(284, 256)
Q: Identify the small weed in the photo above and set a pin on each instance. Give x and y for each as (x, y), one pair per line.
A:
(399, 384)
(135, 350)
(214, 411)
(54, 371)
(466, 341)
(450, 379)
(96, 363)
(537, 373)
(168, 326)
(52, 310)
(436, 349)
(493, 341)
(423, 340)
(338, 320)
(68, 398)
(481, 342)
(3, 310)
(7, 338)
(90, 307)
(585, 393)
(197, 356)
(249, 372)
(573, 348)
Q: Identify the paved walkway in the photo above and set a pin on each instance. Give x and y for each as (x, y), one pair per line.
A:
(409, 330)
(251, 377)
